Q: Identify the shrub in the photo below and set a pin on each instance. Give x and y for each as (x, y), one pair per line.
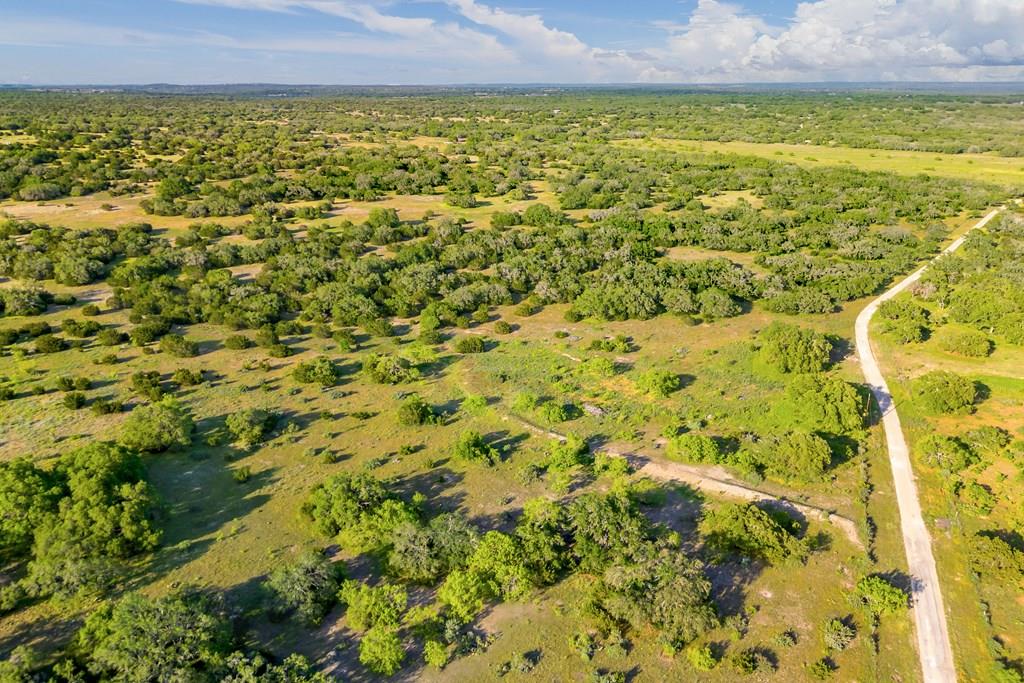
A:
(749, 530)
(827, 404)
(903, 320)
(944, 453)
(74, 400)
(177, 345)
(90, 310)
(415, 411)
(172, 638)
(694, 448)
(147, 383)
(111, 337)
(701, 658)
(837, 634)
(384, 368)
(250, 426)
(381, 651)
(184, 377)
(972, 343)
(322, 371)
(788, 348)
(879, 596)
(471, 447)
(556, 411)
(502, 327)
(358, 509)
(797, 456)
(48, 343)
(369, 606)
(658, 382)
(941, 391)
(103, 406)
(157, 427)
(470, 344)
(238, 342)
(148, 332)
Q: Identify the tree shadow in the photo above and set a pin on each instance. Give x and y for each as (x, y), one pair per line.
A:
(436, 485)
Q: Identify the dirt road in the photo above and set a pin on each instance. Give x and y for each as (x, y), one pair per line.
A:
(937, 664)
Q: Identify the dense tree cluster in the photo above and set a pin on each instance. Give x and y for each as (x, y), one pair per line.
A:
(72, 521)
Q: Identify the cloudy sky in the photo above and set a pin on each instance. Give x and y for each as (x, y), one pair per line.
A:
(503, 41)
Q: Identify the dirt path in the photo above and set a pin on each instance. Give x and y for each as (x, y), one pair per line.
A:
(715, 480)
(937, 663)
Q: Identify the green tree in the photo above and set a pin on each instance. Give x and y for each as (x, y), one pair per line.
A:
(471, 447)
(746, 529)
(308, 585)
(658, 382)
(381, 651)
(879, 596)
(321, 370)
(157, 427)
(178, 637)
(369, 606)
(464, 593)
(944, 392)
(250, 426)
(797, 456)
(28, 496)
(791, 349)
(694, 448)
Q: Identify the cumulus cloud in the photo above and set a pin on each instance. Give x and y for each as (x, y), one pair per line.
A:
(843, 40)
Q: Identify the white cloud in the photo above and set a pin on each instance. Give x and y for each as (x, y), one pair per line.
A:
(719, 41)
(850, 40)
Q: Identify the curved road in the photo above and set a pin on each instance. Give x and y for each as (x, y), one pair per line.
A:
(937, 664)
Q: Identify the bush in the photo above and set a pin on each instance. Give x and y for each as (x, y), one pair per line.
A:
(502, 327)
(749, 530)
(384, 368)
(415, 411)
(320, 371)
(381, 651)
(177, 345)
(157, 427)
(358, 509)
(238, 342)
(471, 447)
(470, 344)
(879, 596)
(972, 343)
(659, 382)
(250, 426)
(788, 348)
(74, 400)
(184, 377)
(149, 332)
(111, 337)
(837, 634)
(827, 404)
(797, 456)
(701, 658)
(941, 391)
(48, 343)
(147, 383)
(694, 448)
(944, 453)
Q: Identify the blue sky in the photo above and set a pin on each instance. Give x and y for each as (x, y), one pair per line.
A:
(497, 41)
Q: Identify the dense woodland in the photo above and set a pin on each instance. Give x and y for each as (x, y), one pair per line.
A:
(243, 252)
